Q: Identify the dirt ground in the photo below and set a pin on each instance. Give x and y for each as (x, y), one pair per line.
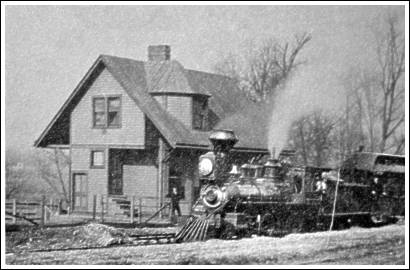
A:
(88, 235)
(373, 246)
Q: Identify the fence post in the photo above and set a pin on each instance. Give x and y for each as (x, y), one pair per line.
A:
(94, 205)
(14, 219)
(52, 210)
(43, 210)
(140, 210)
(132, 209)
(102, 208)
(60, 202)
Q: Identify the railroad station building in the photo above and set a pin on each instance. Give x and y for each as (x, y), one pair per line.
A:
(137, 128)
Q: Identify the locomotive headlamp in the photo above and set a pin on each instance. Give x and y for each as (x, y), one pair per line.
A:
(212, 197)
(205, 166)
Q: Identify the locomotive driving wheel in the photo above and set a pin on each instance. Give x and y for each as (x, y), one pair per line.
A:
(267, 224)
(276, 223)
(227, 231)
(377, 216)
(296, 222)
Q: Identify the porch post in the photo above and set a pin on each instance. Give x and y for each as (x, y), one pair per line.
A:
(162, 172)
(70, 203)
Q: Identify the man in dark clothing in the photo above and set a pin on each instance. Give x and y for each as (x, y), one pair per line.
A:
(376, 188)
(175, 201)
(376, 192)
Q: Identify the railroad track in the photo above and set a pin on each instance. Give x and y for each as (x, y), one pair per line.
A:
(137, 240)
(153, 238)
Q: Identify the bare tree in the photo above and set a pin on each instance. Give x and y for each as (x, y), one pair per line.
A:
(230, 66)
(51, 169)
(266, 67)
(311, 137)
(20, 175)
(390, 56)
(16, 181)
(357, 125)
(375, 98)
(367, 97)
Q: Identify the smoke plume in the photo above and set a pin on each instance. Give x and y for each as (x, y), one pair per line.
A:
(306, 91)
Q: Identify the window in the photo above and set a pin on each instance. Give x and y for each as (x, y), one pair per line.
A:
(390, 160)
(106, 112)
(99, 112)
(97, 159)
(200, 113)
(114, 108)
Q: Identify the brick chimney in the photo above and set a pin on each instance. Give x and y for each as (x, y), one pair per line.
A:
(159, 52)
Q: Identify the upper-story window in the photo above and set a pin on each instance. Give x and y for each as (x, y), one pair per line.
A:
(200, 113)
(107, 112)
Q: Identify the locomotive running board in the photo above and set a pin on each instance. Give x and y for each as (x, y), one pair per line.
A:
(346, 214)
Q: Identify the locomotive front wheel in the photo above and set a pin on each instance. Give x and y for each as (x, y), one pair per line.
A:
(378, 216)
(227, 231)
(296, 223)
(268, 223)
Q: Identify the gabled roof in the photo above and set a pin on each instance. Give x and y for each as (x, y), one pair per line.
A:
(132, 77)
(226, 99)
(249, 126)
(167, 77)
(141, 79)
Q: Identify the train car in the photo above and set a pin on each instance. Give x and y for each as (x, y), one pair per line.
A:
(385, 176)
(272, 198)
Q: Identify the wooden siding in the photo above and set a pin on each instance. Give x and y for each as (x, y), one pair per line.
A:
(181, 108)
(140, 180)
(162, 100)
(132, 129)
(97, 178)
(140, 173)
(178, 106)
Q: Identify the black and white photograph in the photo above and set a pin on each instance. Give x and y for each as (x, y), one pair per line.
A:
(204, 134)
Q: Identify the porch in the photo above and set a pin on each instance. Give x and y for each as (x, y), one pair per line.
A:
(132, 175)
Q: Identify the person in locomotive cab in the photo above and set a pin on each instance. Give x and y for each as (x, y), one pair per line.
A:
(175, 197)
(321, 185)
(376, 189)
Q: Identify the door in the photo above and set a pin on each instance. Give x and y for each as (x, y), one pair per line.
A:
(115, 183)
(80, 188)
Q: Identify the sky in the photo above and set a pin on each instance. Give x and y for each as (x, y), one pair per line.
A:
(48, 49)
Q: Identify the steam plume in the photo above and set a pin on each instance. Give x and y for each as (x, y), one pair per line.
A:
(306, 91)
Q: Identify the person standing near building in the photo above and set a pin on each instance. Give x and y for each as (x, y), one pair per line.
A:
(175, 197)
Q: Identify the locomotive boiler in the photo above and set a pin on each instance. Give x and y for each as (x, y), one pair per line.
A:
(271, 198)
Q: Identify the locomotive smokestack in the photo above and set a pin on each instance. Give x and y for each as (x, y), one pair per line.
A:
(223, 140)
(272, 153)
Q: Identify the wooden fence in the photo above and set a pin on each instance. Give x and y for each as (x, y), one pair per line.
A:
(34, 212)
(140, 210)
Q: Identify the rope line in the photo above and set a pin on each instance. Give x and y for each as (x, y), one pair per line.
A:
(335, 200)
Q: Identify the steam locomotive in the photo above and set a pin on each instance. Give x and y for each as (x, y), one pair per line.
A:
(274, 198)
